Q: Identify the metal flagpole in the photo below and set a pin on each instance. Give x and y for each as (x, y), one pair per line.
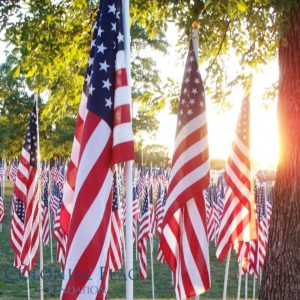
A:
(152, 271)
(226, 275)
(246, 286)
(239, 282)
(39, 194)
(128, 167)
(28, 288)
(50, 227)
(254, 281)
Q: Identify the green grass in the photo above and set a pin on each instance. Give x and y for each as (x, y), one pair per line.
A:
(13, 285)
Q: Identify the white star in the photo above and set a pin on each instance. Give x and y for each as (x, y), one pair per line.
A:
(113, 27)
(100, 30)
(189, 112)
(118, 14)
(91, 60)
(108, 103)
(185, 91)
(104, 66)
(183, 101)
(93, 43)
(120, 37)
(106, 84)
(201, 103)
(192, 101)
(112, 9)
(194, 91)
(101, 48)
(191, 59)
(88, 78)
(197, 80)
(187, 80)
(189, 69)
(181, 112)
(91, 90)
(95, 26)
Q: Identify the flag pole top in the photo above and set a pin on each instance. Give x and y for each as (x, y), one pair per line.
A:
(196, 25)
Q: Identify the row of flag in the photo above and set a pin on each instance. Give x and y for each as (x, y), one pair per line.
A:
(87, 197)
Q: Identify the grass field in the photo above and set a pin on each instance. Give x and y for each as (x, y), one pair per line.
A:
(13, 285)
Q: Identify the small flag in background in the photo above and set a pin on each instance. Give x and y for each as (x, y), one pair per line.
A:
(144, 235)
(115, 248)
(184, 236)
(26, 212)
(45, 216)
(1, 206)
(106, 139)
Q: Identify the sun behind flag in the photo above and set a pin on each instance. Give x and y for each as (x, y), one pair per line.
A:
(106, 139)
(184, 236)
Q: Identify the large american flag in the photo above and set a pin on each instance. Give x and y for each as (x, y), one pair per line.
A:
(115, 248)
(26, 219)
(184, 236)
(236, 225)
(106, 139)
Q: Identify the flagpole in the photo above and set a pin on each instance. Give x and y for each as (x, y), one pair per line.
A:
(195, 32)
(39, 199)
(226, 275)
(239, 282)
(152, 271)
(246, 286)
(28, 288)
(128, 165)
(254, 281)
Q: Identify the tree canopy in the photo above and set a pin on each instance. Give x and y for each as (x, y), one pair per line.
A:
(49, 44)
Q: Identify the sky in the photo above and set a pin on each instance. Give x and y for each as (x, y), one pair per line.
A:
(221, 125)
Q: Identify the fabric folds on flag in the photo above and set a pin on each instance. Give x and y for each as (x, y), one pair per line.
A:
(106, 139)
(238, 220)
(26, 216)
(184, 236)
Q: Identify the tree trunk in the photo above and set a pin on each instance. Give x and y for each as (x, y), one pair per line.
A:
(281, 275)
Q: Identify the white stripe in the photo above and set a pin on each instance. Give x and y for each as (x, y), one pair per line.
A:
(75, 151)
(25, 154)
(21, 186)
(23, 170)
(190, 127)
(186, 182)
(122, 133)
(88, 226)
(188, 154)
(241, 146)
(120, 60)
(242, 188)
(241, 166)
(82, 106)
(90, 155)
(121, 96)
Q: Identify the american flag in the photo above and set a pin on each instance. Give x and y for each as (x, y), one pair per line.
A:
(184, 236)
(53, 174)
(26, 191)
(45, 216)
(236, 225)
(56, 199)
(144, 234)
(2, 170)
(262, 227)
(1, 206)
(115, 248)
(61, 239)
(44, 174)
(106, 139)
(61, 178)
(13, 170)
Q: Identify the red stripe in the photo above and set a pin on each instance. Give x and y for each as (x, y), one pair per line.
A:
(120, 78)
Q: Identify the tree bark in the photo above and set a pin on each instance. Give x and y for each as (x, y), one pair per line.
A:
(281, 274)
